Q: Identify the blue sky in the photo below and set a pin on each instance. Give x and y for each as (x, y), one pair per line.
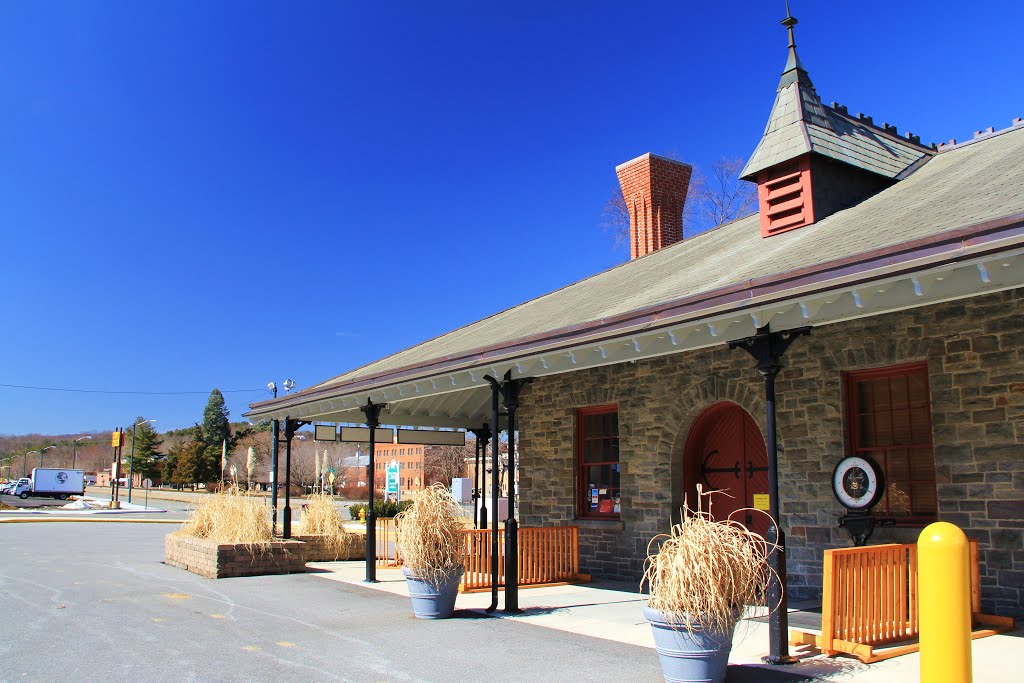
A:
(217, 194)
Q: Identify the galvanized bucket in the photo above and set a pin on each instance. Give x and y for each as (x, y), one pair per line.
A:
(429, 601)
(698, 657)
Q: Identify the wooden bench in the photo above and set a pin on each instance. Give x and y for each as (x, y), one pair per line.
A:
(869, 599)
(548, 556)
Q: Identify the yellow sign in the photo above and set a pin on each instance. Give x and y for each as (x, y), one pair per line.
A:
(115, 439)
(761, 502)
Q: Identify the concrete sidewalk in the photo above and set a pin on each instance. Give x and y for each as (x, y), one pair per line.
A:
(612, 611)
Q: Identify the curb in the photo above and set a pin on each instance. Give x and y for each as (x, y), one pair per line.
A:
(101, 520)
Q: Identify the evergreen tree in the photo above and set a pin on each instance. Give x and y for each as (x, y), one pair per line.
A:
(187, 459)
(216, 426)
(147, 449)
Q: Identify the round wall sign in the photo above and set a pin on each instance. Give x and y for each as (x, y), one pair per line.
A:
(857, 482)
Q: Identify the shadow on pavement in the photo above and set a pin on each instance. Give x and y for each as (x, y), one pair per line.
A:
(747, 673)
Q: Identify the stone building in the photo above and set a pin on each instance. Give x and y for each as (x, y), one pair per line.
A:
(905, 263)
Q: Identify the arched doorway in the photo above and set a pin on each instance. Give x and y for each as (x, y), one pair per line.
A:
(725, 452)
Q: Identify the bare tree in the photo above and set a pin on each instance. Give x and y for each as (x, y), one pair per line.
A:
(724, 197)
(261, 443)
(709, 201)
(444, 463)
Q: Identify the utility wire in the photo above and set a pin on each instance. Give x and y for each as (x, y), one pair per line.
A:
(144, 393)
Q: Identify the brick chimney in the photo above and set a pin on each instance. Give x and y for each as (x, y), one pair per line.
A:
(654, 189)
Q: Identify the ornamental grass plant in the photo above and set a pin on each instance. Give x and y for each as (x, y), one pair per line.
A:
(430, 536)
(321, 518)
(705, 571)
(230, 517)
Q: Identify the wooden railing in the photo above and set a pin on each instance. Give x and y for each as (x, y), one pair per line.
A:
(387, 543)
(547, 555)
(869, 598)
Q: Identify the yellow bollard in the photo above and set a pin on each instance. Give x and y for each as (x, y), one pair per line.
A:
(944, 604)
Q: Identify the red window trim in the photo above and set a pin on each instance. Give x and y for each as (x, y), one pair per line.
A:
(583, 510)
(850, 381)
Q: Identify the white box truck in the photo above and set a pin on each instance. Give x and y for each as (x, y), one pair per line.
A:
(54, 483)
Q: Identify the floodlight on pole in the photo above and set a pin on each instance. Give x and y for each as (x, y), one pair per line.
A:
(272, 388)
(43, 450)
(288, 385)
(131, 458)
(74, 445)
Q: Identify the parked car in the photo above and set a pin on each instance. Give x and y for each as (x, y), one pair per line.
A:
(10, 487)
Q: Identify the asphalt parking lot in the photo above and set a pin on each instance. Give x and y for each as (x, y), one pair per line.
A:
(15, 501)
(95, 602)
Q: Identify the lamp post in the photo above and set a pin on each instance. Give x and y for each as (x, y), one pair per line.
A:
(43, 450)
(24, 462)
(10, 463)
(131, 458)
(74, 445)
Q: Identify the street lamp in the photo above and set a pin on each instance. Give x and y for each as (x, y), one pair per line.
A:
(10, 463)
(24, 462)
(131, 459)
(43, 450)
(74, 444)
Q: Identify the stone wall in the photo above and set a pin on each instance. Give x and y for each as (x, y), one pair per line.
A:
(975, 355)
(222, 560)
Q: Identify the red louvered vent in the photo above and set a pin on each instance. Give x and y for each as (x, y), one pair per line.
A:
(784, 195)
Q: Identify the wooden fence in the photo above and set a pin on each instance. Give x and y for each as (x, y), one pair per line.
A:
(387, 543)
(547, 555)
(869, 598)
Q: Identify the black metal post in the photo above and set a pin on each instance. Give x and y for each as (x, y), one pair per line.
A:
(483, 435)
(767, 348)
(372, 412)
(131, 464)
(276, 432)
(495, 462)
(510, 392)
(476, 480)
(289, 432)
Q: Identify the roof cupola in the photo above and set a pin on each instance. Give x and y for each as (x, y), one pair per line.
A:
(814, 160)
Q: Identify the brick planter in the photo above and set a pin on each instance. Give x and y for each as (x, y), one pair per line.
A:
(316, 549)
(221, 560)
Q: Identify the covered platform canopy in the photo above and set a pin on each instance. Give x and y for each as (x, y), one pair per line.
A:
(953, 229)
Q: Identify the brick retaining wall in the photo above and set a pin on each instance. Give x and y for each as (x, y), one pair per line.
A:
(317, 549)
(221, 560)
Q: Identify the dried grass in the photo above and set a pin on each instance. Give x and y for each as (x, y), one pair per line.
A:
(705, 571)
(230, 518)
(320, 518)
(430, 536)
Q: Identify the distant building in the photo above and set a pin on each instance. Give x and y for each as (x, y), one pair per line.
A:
(411, 472)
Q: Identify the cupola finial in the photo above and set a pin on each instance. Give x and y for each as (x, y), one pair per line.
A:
(794, 70)
(789, 22)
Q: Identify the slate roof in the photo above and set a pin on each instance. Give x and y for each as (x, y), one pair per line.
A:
(967, 185)
(799, 123)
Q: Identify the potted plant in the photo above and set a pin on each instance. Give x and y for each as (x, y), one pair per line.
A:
(700, 577)
(432, 548)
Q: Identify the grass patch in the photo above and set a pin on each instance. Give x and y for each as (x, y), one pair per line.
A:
(430, 536)
(705, 571)
(230, 518)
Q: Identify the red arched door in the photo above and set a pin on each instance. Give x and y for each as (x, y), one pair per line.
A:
(725, 452)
